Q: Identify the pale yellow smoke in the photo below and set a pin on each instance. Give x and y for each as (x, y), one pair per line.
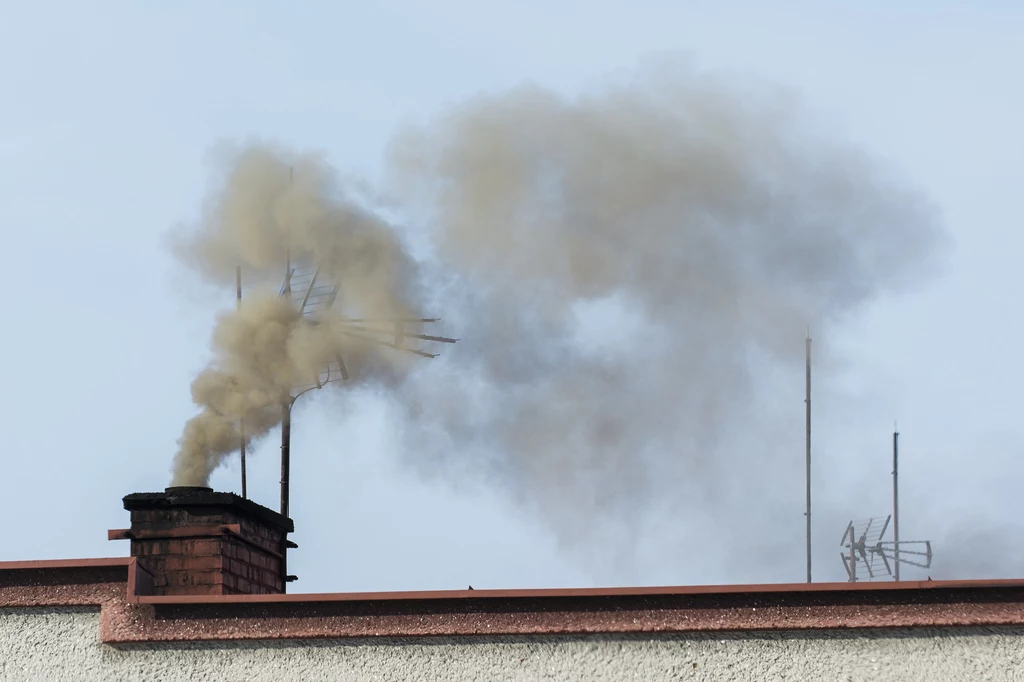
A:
(271, 206)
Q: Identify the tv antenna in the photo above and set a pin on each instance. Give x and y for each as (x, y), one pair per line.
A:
(807, 423)
(868, 557)
(314, 295)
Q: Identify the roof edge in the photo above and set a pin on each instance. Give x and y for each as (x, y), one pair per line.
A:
(587, 592)
(460, 613)
(49, 564)
(554, 593)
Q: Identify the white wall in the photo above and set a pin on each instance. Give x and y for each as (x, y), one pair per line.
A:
(63, 644)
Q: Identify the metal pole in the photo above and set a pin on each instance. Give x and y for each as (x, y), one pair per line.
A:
(241, 422)
(286, 418)
(286, 406)
(286, 438)
(896, 498)
(808, 472)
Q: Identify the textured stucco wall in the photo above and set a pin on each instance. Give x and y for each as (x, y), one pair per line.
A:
(63, 644)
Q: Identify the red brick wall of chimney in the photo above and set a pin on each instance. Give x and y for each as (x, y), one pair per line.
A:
(192, 546)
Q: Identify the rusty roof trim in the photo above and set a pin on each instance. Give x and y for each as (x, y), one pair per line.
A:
(506, 594)
(49, 564)
(130, 616)
(591, 593)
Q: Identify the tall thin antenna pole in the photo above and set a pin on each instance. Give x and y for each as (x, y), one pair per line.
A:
(896, 498)
(286, 406)
(241, 422)
(286, 409)
(286, 437)
(808, 472)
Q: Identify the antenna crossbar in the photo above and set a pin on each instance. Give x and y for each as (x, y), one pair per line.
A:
(313, 297)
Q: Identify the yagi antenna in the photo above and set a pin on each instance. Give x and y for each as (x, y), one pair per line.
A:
(314, 295)
(868, 557)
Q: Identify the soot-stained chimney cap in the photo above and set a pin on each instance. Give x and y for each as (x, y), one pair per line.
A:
(199, 496)
(191, 540)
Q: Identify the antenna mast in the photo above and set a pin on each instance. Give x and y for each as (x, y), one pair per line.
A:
(286, 407)
(896, 499)
(807, 400)
(314, 293)
(865, 539)
(241, 422)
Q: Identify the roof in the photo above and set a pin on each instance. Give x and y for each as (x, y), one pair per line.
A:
(118, 587)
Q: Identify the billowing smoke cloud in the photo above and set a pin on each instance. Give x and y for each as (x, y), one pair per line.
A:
(271, 209)
(627, 270)
(633, 269)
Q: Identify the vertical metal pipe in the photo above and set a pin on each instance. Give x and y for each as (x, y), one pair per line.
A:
(808, 471)
(286, 406)
(241, 423)
(286, 438)
(286, 417)
(896, 499)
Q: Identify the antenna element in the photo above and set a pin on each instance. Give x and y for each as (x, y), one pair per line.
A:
(241, 422)
(807, 400)
(896, 497)
(865, 549)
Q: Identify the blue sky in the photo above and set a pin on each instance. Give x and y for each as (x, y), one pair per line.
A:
(109, 114)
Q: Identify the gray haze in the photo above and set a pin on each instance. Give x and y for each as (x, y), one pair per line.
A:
(632, 270)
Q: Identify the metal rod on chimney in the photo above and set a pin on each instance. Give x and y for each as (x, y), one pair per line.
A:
(286, 413)
(808, 472)
(241, 422)
(286, 406)
(286, 438)
(896, 498)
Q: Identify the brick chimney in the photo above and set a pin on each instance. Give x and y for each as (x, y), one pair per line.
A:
(197, 541)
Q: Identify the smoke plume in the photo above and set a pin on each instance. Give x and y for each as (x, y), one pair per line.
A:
(627, 270)
(633, 269)
(270, 209)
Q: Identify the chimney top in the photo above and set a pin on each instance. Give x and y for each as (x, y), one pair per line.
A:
(198, 496)
(192, 540)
